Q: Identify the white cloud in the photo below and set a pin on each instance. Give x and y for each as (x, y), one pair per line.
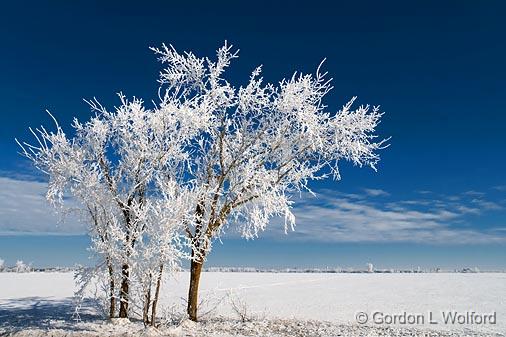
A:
(24, 209)
(473, 194)
(485, 204)
(331, 216)
(376, 192)
(338, 218)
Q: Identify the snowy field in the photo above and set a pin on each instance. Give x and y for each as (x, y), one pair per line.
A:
(321, 302)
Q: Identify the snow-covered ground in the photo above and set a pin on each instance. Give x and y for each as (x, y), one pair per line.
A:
(279, 300)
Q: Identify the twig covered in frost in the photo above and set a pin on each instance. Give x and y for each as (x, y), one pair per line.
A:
(240, 307)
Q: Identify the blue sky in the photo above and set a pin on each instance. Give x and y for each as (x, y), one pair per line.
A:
(436, 68)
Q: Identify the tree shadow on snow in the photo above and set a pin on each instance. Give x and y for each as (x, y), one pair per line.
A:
(44, 313)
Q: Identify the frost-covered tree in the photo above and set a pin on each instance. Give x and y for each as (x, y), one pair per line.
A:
(2, 264)
(261, 144)
(165, 245)
(207, 156)
(118, 166)
(22, 267)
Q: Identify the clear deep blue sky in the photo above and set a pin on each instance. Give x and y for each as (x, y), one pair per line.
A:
(437, 68)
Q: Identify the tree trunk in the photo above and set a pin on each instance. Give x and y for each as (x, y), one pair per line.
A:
(123, 308)
(193, 292)
(112, 299)
(147, 302)
(157, 293)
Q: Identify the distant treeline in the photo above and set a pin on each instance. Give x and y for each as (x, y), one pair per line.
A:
(27, 268)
